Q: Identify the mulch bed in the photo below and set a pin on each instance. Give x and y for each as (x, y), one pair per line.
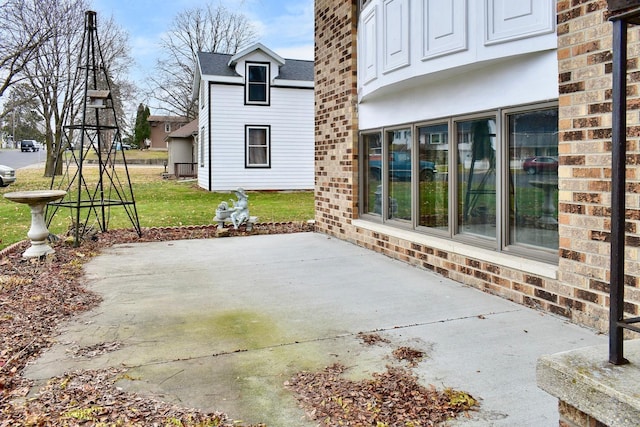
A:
(37, 295)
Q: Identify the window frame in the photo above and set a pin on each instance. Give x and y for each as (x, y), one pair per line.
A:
(364, 166)
(450, 183)
(249, 83)
(247, 146)
(540, 253)
(386, 177)
(492, 243)
(201, 146)
(502, 181)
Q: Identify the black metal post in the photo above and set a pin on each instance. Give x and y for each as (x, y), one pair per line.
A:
(618, 184)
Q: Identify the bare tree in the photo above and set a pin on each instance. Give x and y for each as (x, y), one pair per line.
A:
(53, 73)
(21, 37)
(208, 29)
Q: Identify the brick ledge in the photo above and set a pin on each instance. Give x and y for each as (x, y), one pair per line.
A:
(536, 268)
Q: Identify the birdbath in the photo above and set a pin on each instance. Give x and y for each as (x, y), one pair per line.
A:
(548, 208)
(38, 232)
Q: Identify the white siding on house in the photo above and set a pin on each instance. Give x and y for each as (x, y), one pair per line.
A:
(203, 135)
(290, 117)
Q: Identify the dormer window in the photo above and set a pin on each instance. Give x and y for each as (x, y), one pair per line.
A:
(257, 84)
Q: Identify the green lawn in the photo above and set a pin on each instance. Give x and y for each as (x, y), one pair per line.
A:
(159, 202)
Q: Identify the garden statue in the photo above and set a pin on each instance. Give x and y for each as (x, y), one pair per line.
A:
(240, 209)
(222, 212)
(237, 214)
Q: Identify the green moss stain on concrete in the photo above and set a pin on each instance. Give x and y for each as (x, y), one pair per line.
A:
(243, 357)
(251, 330)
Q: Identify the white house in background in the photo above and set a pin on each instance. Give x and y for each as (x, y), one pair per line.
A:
(182, 145)
(256, 121)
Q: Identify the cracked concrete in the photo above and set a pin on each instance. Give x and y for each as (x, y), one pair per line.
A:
(221, 324)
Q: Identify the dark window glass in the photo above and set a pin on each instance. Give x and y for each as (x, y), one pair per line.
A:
(257, 88)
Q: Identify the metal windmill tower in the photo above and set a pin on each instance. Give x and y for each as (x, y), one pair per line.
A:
(93, 190)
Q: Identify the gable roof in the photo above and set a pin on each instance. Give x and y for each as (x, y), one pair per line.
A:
(217, 64)
(258, 46)
(165, 119)
(185, 131)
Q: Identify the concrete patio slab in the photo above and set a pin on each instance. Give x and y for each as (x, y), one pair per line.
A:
(221, 324)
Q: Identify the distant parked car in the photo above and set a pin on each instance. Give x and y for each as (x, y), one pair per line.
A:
(29, 145)
(7, 175)
(400, 167)
(540, 164)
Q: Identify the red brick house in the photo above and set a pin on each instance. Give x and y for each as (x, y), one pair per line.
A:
(161, 127)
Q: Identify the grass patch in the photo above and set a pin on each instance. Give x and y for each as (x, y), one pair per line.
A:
(159, 202)
(134, 155)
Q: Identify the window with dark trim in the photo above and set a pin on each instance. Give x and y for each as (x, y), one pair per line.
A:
(257, 84)
(257, 146)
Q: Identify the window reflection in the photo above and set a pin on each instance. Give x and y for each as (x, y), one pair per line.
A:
(433, 189)
(399, 167)
(477, 177)
(533, 173)
(372, 203)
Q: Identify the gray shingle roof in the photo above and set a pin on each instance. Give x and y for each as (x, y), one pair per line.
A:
(215, 64)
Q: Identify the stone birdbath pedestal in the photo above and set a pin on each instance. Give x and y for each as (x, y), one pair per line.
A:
(38, 232)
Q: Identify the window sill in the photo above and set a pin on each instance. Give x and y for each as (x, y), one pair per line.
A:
(537, 268)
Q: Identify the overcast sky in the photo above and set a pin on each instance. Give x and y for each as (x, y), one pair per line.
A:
(284, 26)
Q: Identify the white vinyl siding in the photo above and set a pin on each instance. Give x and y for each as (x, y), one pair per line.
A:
(290, 118)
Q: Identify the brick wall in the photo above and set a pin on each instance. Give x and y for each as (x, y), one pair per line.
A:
(572, 417)
(584, 62)
(336, 127)
(584, 66)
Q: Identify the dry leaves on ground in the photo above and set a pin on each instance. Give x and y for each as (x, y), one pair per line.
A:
(37, 295)
(391, 398)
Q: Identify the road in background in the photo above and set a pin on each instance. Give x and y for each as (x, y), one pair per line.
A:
(17, 159)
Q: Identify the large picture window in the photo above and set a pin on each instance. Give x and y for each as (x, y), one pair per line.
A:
(433, 186)
(533, 174)
(489, 180)
(257, 84)
(399, 165)
(258, 146)
(372, 179)
(476, 147)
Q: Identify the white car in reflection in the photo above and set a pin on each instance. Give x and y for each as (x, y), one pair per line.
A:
(7, 175)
